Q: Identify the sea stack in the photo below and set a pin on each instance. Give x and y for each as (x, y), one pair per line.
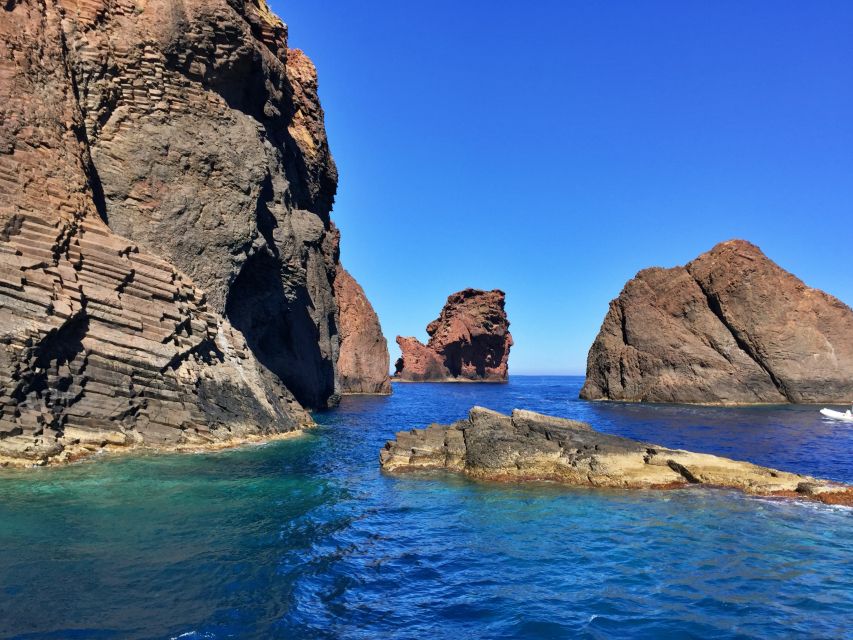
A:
(469, 341)
(363, 362)
(531, 447)
(167, 256)
(730, 327)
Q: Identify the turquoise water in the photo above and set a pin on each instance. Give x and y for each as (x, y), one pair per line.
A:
(306, 539)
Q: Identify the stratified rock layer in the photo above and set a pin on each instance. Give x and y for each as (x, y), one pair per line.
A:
(363, 362)
(528, 446)
(208, 148)
(731, 327)
(184, 129)
(470, 340)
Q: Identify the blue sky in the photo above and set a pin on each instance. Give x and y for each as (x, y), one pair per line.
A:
(553, 149)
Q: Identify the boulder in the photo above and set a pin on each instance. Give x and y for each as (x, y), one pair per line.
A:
(469, 341)
(730, 327)
(528, 446)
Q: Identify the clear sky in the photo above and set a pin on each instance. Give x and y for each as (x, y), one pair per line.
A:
(554, 148)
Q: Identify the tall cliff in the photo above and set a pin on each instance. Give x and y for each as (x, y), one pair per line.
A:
(364, 361)
(729, 327)
(470, 340)
(166, 254)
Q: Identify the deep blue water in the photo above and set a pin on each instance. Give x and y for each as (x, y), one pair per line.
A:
(307, 539)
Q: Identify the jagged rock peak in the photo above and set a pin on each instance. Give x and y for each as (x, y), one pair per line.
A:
(470, 340)
(730, 327)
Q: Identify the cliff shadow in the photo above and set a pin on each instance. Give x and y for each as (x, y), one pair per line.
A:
(481, 352)
(279, 329)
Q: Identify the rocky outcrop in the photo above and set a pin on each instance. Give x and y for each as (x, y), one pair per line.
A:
(730, 327)
(208, 148)
(166, 253)
(528, 446)
(363, 362)
(470, 340)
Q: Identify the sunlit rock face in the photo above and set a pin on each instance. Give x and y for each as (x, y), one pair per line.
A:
(730, 327)
(531, 447)
(470, 340)
(363, 361)
(166, 254)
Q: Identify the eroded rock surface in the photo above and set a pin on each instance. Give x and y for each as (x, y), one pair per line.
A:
(164, 180)
(470, 340)
(730, 327)
(363, 362)
(208, 149)
(528, 446)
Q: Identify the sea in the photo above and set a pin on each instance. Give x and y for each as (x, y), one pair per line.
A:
(307, 538)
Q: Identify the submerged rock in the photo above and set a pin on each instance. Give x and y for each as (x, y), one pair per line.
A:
(470, 340)
(363, 362)
(166, 252)
(528, 446)
(730, 327)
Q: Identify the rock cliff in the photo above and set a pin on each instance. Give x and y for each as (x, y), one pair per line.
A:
(363, 362)
(166, 254)
(528, 446)
(730, 327)
(470, 340)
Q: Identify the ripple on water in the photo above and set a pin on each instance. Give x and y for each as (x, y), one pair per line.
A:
(305, 538)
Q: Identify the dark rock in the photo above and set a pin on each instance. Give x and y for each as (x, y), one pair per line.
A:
(164, 178)
(528, 446)
(208, 149)
(470, 340)
(730, 327)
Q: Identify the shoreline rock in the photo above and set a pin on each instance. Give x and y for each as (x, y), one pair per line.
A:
(470, 341)
(729, 328)
(87, 452)
(528, 446)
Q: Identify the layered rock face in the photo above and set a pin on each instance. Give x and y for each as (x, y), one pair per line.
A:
(470, 340)
(528, 446)
(730, 327)
(208, 148)
(363, 362)
(164, 180)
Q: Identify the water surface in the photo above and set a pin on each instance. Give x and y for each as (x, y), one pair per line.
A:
(306, 539)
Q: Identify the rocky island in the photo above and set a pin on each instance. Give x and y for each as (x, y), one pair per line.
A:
(528, 446)
(730, 327)
(167, 257)
(469, 341)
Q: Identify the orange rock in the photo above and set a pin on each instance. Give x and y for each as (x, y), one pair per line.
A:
(363, 360)
(470, 340)
(731, 327)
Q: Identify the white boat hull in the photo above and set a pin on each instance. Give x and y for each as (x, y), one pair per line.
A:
(837, 415)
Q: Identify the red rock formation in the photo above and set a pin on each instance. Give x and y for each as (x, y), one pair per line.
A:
(470, 340)
(730, 327)
(363, 362)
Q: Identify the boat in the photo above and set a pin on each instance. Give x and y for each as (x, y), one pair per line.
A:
(847, 416)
